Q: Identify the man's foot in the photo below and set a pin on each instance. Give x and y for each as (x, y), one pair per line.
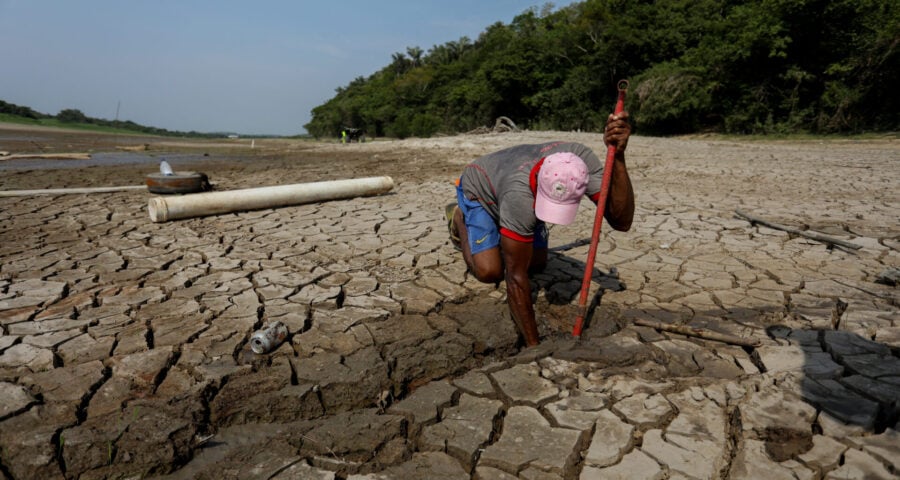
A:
(450, 213)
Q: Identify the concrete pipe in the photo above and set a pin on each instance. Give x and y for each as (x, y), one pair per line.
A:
(212, 203)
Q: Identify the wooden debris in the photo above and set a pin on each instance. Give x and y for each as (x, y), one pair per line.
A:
(504, 124)
(52, 156)
(134, 148)
(698, 332)
(819, 237)
(501, 125)
(571, 245)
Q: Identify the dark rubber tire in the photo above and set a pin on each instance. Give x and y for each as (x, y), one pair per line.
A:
(179, 182)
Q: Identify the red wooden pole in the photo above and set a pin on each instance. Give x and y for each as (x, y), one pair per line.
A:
(598, 220)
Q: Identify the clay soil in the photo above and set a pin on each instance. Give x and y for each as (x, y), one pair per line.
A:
(688, 260)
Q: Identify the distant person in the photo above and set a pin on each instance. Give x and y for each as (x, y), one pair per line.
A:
(506, 198)
(343, 136)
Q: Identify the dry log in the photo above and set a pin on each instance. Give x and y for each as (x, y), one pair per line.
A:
(504, 124)
(501, 125)
(819, 237)
(52, 156)
(698, 332)
(134, 148)
(571, 245)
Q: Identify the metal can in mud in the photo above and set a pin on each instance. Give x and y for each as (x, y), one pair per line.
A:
(268, 338)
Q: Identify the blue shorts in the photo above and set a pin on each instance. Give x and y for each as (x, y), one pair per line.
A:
(484, 234)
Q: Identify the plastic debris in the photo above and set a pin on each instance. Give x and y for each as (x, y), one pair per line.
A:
(165, 168)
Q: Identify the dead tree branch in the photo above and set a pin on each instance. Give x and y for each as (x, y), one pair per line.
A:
(819, 237)
(698, 332)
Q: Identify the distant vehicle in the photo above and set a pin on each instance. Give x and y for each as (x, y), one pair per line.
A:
(233, 136)
(353, 134)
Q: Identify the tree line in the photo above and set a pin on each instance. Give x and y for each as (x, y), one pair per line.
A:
(74, 116)
(733, 66)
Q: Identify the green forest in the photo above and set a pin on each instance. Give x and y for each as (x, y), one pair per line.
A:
(729, 66)
(70, 117)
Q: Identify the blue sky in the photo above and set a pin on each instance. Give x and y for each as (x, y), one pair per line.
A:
(252, 67)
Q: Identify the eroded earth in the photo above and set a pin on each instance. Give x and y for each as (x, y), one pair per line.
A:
(124, 343)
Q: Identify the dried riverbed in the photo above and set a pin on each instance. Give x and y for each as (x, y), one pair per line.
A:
(124, 343)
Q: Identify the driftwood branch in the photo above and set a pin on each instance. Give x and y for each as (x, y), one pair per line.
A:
(698, 332)
(571, 245)
(504, 124)
(52, 156)
(819, 237)
(501, 125)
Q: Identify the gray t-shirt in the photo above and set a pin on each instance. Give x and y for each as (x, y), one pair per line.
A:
(501, 182)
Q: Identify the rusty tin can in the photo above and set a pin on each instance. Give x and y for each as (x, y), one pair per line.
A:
(268, 338)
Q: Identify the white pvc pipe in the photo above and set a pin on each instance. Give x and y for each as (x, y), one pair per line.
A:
(63, 191)
(212, 203)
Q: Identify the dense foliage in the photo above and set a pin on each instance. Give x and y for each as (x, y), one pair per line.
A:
(19, 111)
(738, 66)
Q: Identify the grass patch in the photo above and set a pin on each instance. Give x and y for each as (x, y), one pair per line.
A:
(52, 122)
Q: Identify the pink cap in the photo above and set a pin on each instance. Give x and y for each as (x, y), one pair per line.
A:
(562, 180)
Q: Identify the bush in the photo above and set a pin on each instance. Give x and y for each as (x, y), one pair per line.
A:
(71, 115)
(672, 99)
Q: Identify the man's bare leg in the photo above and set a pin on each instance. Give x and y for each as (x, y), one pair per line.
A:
(487, 266)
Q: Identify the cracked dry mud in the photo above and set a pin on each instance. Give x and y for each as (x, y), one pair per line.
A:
(124, 344)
